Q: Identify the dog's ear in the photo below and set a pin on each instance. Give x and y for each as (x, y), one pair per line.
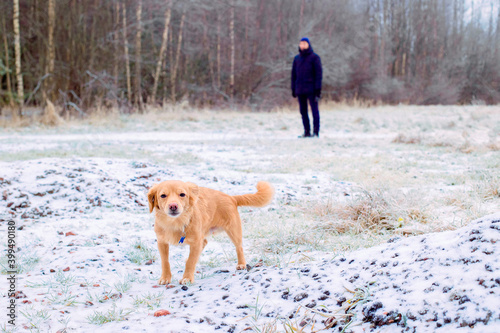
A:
(194, 191)
(153, 203)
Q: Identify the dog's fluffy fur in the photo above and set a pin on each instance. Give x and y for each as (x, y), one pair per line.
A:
(186, 210)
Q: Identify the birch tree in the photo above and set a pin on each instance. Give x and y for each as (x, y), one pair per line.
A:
(17, 45)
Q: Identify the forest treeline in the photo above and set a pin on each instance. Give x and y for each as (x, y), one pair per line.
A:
(131, 53)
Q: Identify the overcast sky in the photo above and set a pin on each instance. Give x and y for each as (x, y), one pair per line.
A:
(484, 7)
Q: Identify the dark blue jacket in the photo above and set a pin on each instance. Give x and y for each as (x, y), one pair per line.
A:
(307, 73)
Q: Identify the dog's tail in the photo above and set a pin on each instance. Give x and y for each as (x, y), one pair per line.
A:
(264, 195)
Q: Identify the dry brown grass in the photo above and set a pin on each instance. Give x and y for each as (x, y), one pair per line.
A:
(460, 202)
(51, 116)
(488, 187)
(371, 211)
(353, 103)
(407, 139)
(493, 146)
(15, 123)
(463, 145)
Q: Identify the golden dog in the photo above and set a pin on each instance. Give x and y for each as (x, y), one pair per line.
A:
(186, 214)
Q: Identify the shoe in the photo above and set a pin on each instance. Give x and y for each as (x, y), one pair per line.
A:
(315, 135)
(305, 135)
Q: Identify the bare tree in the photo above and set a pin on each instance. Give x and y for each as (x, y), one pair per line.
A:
(51, 52)
(162, 54)
(497, 36)
(138, 90)
(7, 63)
(175, 65)
(231, 32)
(17, 44)
(218, 49)
(117, 47)
(127, 58)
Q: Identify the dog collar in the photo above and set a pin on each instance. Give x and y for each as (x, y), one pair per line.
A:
(183, 237)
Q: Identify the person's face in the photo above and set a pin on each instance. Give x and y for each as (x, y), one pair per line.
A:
(303, 45)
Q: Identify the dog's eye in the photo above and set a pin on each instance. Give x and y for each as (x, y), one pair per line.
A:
(182, 195)
(163, 196)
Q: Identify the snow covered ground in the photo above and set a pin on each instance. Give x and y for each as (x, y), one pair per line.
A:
(87, 256)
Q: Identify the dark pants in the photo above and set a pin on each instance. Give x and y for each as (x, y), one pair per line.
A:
(315, 112)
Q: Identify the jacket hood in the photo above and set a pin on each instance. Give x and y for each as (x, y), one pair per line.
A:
(305, 39)
(309, 50)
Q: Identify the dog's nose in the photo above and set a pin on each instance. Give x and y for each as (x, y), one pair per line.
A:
(173, 207)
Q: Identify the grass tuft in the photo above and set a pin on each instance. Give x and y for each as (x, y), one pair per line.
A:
(35, 317)
(113, 314)
(141, 253)
(62, 296)
(149, 300)
(25, 262)
(488, 186)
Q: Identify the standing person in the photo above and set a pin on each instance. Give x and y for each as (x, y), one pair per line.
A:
(306, 85)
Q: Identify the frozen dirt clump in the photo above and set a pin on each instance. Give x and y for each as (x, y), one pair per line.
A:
(437, 281)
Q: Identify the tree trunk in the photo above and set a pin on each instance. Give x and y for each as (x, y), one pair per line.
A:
(375, 39)
(117, 48)
(177, 57)
(279, 36)
(51, 53)
(7, 62)
(258, 26)
(218, 49)
(170, 61)
(92, 41)
(17, 44)
(404, 35)
(497, 37)
(435, 45)
(206, 46)
(383, 37)
(127, 60)
(138, 91)
(490, 26)
(161, 55)
(455, 21)
(247, 28)
(153, 49)
(231, 32)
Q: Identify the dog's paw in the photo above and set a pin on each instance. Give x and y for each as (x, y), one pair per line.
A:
(165, 280)
(186, 280)
(241, 267)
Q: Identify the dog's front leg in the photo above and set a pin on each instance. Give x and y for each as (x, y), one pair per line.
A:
(194, 254)
(166, 275)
